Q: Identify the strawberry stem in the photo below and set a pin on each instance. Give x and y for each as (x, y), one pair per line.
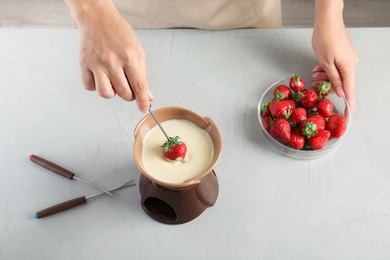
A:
(296, 78)
(171, 142)
(309, 129)
(324, 87)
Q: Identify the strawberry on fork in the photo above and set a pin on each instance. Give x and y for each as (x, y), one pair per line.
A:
(174, 150)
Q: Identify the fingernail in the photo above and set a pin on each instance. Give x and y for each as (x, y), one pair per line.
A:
(339, 92)
(144, 109)
(151, 98)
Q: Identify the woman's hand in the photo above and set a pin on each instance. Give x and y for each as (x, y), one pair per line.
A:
(111, 57)
(334, 50)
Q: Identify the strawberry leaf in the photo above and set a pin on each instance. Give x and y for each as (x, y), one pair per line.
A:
(171, 142)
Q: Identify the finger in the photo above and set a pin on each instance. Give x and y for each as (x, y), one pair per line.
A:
(318, 68)
(349, 87)
(321, 76)
(318, 72)
(140, 87)
(88, 79)
(103, 85)
(121, 85)
(335, 79)
(151, 98)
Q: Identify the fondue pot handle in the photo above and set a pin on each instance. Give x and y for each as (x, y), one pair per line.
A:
(192, 181)
(210, 123)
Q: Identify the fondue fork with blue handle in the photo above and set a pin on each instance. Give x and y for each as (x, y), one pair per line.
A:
(76, 202)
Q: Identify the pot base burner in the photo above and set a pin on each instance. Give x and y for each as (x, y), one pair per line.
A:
(178, 206)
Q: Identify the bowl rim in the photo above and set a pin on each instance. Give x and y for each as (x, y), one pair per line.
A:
(310, 154)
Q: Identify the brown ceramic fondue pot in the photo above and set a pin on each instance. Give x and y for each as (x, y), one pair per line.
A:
(176, 203)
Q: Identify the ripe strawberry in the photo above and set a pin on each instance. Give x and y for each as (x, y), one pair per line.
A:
(267, 122)
(174, 150)
(297, 140)
(264, 111)
(297, 83)
(280, 130)
(336, 125)
(325, 107)
(307, 98)
(282, 92)
(319, 140)
(323, 88)
(312, 125)
(317, 119)
(297, 116)
(280, 109)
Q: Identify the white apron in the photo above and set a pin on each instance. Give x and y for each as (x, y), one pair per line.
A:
(203, 14)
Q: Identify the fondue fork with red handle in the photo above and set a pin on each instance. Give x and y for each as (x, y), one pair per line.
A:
(63, 172)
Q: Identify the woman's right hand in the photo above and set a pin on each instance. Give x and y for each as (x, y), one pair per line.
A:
(112, 59)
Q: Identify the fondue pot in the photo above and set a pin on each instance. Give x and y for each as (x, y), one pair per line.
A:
(177, 203)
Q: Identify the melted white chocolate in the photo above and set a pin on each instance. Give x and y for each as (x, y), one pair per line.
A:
(200, 151)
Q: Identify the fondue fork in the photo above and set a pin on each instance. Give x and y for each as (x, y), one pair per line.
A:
(63, 172)
(77, 201)
(158, 123)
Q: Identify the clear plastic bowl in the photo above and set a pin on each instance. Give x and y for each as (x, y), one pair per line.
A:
(341, 106)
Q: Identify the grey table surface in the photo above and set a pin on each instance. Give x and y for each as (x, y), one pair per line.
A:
(269, 206)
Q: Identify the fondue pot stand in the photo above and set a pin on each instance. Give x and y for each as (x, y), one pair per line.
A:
(177, 203)
(174, 206)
